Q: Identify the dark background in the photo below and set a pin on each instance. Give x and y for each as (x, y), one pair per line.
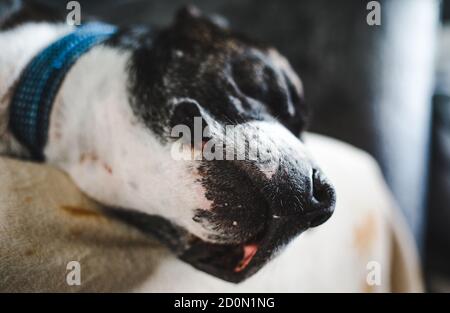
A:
(371, 86)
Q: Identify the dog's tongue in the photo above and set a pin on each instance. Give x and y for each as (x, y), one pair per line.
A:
(249, 252)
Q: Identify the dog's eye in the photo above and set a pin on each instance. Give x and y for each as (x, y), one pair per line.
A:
(187, 113)
(184, 113)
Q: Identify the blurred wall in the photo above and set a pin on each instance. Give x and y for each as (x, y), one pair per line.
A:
(369, 85)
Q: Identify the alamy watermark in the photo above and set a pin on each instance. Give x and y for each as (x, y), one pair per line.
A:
(373, 277)
(374, 15)
(73, 17)
(73, 276)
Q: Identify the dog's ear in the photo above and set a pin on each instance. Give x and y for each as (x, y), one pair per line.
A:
(192, 14)
(187, 12)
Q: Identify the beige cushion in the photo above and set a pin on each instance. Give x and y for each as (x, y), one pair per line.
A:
(45, 223)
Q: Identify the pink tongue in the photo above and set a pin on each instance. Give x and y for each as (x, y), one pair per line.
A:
(249, 252)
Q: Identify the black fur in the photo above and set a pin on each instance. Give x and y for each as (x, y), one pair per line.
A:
(15, 12)
(235, 80)
(198, 59)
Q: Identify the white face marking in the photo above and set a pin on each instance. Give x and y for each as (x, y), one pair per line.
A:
(276, 142)
(266, 141)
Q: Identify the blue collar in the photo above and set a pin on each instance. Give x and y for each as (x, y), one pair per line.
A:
(39, 83)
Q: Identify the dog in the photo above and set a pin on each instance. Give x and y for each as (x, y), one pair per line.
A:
(110, 122)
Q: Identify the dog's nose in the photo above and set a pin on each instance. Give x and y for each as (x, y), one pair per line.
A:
(304, 194)
(323, 199)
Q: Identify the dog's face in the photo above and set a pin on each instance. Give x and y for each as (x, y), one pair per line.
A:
(226, 217)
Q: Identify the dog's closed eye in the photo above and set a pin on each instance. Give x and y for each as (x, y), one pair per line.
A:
(184, 113)
(187, 113)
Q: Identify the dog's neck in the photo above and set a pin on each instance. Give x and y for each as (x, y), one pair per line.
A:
(40, 81)
(91, 116)
(92, 101)
(19, 46)
(93, 133)
(98, 77)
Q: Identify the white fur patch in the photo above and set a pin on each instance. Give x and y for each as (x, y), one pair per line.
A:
(96, 138)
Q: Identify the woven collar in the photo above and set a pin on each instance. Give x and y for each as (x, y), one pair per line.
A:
(40, 81)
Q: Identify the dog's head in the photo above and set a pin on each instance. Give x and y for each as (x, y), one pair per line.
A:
(226, 216)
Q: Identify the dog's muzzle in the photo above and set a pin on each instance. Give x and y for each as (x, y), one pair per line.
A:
(294, 199)
(293, 202)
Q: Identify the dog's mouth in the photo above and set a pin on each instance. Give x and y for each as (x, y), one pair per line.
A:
(230, 262)
(237, 262)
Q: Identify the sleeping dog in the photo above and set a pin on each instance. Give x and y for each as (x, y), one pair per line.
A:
(106, 117)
